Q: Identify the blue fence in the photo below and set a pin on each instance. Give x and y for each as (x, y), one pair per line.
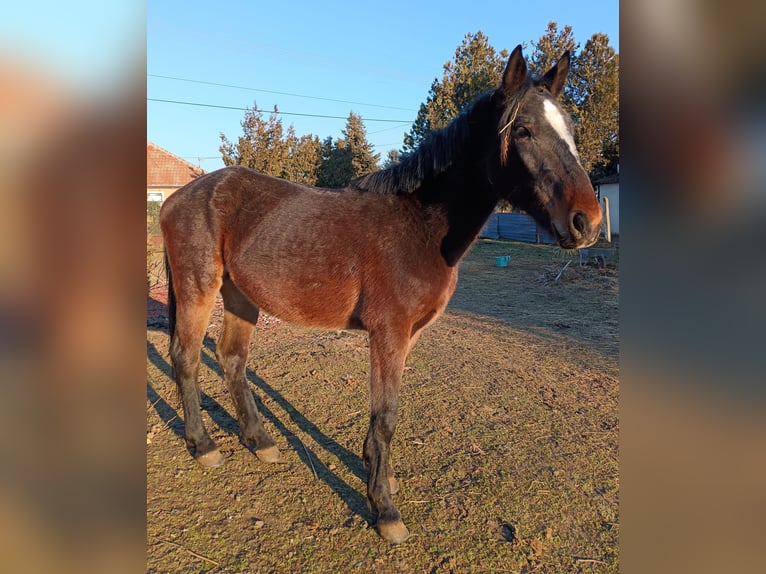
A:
(517, 227)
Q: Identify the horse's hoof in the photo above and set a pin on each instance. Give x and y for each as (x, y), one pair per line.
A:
(268, 454)
(394, 532)
(211, 459)
(393, 484)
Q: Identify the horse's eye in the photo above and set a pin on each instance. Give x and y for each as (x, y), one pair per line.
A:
(522, 132)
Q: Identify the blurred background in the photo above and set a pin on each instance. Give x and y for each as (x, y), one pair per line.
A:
(72, 292)
(72, 299)
(693, 275)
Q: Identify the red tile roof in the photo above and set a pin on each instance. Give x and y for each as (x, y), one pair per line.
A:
(168, 170)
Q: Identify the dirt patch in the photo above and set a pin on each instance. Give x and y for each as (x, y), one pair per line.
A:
(506, 448)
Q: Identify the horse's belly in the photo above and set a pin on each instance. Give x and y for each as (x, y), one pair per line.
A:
(319, 304)
(307, 301)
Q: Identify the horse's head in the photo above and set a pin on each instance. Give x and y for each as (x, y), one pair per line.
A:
(538, 167)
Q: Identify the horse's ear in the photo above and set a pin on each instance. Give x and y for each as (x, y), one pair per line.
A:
(555, 78)
(515, 72)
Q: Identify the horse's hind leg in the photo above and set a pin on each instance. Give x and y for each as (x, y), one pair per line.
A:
(239, 321)
(192, 315)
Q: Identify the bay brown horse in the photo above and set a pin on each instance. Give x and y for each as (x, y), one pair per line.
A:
(381, 255)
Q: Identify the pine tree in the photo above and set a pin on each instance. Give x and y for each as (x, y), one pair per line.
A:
(265, 147)
(363, 158)
(550, 46)
(475, 68)
(304, 158)
(336, 168)
(392, 158)
(260, 147)
(596, 94)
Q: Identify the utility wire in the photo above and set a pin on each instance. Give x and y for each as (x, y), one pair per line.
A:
(403, 124)
(272, 112)
(278, 93)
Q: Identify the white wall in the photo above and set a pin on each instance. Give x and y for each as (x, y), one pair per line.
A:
(612, 191)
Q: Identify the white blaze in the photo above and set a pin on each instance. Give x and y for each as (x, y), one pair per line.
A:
(558, 123)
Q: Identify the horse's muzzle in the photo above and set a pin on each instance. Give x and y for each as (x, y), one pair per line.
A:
(580, 230)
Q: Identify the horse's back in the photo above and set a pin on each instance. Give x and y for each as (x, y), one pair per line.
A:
(225, 204)
(222, 193)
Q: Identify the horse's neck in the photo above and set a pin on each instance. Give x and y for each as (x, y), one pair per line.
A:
(466, 199)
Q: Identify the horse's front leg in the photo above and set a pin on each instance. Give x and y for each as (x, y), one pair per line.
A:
(387, 355)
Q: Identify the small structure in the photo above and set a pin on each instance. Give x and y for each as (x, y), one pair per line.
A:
(609, 188)
(166, 172)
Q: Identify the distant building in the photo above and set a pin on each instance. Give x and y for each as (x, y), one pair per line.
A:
(166, 172)
(609, 187)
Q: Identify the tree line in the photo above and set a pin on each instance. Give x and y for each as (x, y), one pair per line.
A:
(267, 147)
(591, 96)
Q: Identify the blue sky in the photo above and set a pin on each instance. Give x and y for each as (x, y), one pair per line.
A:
(372, 54)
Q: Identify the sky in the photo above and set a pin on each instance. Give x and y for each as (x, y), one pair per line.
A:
(322, 58)
(306, 57)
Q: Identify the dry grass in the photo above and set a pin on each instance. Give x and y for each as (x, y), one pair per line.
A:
(506, 448)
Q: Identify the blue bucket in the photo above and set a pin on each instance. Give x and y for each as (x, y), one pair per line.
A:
(502, 260)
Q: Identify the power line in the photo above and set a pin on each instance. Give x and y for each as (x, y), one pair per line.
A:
(278, 93)
(272, 112)
(390, 128)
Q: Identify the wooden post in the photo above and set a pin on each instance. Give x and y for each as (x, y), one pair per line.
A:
(607, 220)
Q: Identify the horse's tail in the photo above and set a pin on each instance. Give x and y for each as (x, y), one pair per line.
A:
(171, 298)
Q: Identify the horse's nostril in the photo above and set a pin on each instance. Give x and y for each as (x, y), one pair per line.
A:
(580, 223)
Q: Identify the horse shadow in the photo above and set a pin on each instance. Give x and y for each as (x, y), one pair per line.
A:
(353, 463)
(157, 321)
(219, 415)
(169, 415)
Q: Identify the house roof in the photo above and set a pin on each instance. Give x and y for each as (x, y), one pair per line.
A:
(164, 169)
(614, 178)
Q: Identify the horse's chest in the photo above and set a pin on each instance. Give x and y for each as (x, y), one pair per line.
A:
(442, 286)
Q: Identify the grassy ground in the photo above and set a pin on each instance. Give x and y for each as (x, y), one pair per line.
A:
(506, 448)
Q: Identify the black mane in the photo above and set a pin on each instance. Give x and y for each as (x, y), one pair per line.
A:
(436, 154)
